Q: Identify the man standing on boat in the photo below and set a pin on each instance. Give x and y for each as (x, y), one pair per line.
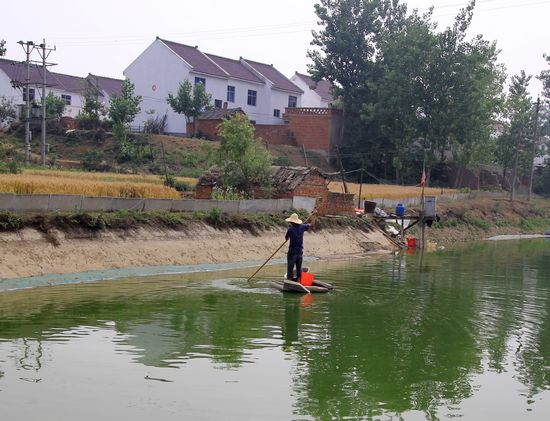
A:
(295, 234)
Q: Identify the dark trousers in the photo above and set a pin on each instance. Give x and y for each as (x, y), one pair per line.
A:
(294, 258)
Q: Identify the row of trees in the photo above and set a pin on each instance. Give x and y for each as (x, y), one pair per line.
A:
(413, 96)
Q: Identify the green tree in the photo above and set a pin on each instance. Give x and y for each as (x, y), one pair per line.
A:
(544, 77)
(123, 108)
(2, 47)
(243, 160)
(55, 106)
(190, 101)
(513, 143)
(410, 94)
(7, 111)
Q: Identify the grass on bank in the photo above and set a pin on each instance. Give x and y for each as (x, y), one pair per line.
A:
(129, 220)
(35, 181)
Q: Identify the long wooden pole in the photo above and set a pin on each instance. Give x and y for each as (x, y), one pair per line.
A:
(268, 259)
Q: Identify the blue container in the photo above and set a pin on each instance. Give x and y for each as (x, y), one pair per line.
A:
(400, 210)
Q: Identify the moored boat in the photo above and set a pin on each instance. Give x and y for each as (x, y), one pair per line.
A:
(284, 285)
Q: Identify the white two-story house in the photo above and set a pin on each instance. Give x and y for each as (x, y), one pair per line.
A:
(259, 89)
(13, 77)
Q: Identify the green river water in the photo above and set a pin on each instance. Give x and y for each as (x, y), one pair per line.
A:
(459, 333)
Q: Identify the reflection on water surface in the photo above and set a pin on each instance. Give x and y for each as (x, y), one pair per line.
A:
(458, 333)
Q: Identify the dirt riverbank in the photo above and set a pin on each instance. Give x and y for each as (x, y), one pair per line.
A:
(29, 252)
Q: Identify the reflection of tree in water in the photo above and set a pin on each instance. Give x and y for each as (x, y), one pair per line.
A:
(533, 352)
(399, 355)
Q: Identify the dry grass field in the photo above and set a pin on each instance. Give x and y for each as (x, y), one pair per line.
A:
(386, 191)
(88, 184)
(151, 186)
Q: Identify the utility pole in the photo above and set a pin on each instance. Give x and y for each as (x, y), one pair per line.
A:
(27, 47)
(535, 141)
(44, 53)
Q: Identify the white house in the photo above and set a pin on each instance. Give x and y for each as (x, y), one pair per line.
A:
(316, 94)
(259, 89)
(13, 75)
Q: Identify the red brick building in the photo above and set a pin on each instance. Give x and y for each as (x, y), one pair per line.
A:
(287, 182)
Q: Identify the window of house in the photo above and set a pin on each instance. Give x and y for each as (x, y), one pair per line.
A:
(218, 103)
(31, 94)
(252, 97)
(200, 80)
(230, 94)
(67, 99)
(276, 113)
(292, 101)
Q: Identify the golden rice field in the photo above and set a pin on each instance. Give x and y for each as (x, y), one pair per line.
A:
(88, 184)
(386, 191)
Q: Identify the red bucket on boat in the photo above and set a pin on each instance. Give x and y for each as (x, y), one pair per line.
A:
(411, 242)
(307, 279)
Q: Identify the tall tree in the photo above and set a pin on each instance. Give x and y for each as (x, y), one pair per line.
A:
(410, 94)
(123, 108)
(190, 101)
(2, 47)
(512, 144)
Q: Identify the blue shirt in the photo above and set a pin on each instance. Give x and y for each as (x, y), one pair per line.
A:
(296, 234)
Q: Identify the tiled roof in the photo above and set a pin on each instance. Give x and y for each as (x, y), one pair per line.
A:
(219, 113)
(278, 79)
(322, 88)
(225, 67)
(17, 71)
(108, 84)
(288, 178)
(235, 69)
(68, 83)
(200, 62)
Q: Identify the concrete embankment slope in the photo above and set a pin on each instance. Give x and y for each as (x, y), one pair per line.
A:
(29, 252)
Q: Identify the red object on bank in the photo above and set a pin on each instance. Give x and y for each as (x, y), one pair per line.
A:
(411, 242)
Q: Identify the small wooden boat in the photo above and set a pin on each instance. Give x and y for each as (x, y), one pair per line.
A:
(284, 285)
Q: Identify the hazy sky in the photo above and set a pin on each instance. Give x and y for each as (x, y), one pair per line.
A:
(104, 37)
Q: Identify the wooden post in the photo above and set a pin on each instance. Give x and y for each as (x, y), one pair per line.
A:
(305, 155)
(360, 186)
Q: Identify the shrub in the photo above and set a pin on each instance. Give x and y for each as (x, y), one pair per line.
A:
(92, 160)
(226, 193)
(214, 216)
(12, 167)
(10, 221)
(283, 161)
(155, 125)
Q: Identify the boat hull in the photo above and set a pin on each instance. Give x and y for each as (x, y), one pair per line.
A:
(291, 286)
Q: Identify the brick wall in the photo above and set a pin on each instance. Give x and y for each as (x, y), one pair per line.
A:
(275, 134)
(314, 128)
(207, 129)
(203, 192)
(340, 204)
